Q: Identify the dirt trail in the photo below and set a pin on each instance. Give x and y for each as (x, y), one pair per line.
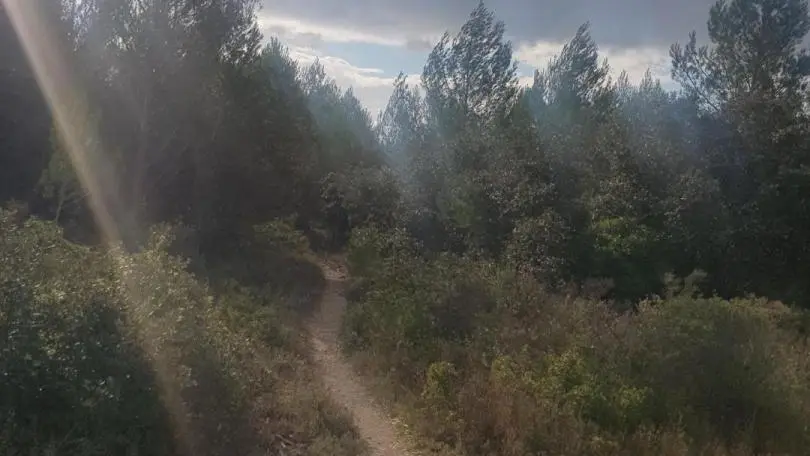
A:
(374, 424)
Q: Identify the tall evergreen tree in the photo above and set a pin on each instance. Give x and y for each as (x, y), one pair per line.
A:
(471, 75)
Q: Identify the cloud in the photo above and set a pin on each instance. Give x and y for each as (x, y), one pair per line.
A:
(293, 29)
(372, 19)
(635, 61)
(620, 23)
(537, 55)
(419, 44)
(371, 86)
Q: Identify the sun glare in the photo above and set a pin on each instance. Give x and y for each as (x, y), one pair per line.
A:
(72, 116)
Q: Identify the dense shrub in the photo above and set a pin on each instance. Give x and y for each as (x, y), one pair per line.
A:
(412, 309)
(538, 245)
(130, 353)
(358, 197)
(67, 349)
(269, 258)
(498, 364)
(729, 364)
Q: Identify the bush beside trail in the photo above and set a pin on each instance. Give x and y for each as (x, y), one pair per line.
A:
(130, 353)
(495, 363)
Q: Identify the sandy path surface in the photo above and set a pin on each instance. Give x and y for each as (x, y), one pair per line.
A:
(374, 424)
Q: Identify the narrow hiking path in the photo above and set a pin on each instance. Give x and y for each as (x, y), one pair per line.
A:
(374, 425)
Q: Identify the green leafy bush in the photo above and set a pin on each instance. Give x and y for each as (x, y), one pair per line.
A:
(498, 364)
(729, 364)
(411, 308)
(279, 237)
(130, 353)
(539, 246)
(67, 348)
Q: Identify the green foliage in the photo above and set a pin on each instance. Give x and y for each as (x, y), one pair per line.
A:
(75, 363)
(408, 304)
(471, 76)
(539, 245)
(343, 124)
(622, 237)
(401, 124)
(67, 348)
(624, 250)
(59, 182)
(755, 52)
(131, 353)
(279, 237)
(751, 82)
(573, 79)
(678, 374)
(439, 382)
(369, 196)
(712, 176)
(483, 223)
(742, 369)
(370, 246)
(646, 180)
(359, 197)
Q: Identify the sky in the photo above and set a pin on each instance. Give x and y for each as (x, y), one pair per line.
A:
(365, 44)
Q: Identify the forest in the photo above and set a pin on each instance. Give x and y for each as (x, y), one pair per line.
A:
(580, 266)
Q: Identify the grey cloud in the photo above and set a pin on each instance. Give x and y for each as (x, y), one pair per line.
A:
(418, 44)
(307, 39)
(623, 23)
(313, 40)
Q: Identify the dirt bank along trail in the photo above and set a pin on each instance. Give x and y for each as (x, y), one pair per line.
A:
(374, 424)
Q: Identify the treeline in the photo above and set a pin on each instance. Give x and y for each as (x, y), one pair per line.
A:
(570, 267)
(581, 176)
(578, 176)
(197, 120)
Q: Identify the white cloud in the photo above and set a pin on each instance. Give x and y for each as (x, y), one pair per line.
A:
(289, 28)
(311, 33)
(374, 98)
(340, 69)
(635, 61)
(370, 85)
(625, 23)
(537, 55)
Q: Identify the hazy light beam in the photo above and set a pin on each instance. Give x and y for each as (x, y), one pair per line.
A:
(79, 132)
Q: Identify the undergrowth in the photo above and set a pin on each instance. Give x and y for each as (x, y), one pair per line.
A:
(484, 359)
(108, 352)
